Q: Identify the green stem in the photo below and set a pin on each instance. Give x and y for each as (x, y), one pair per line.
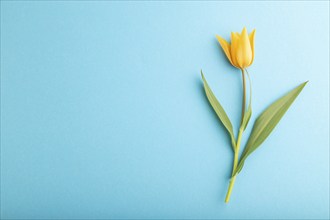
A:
(238, 144)
(232, 180)
(230, 188)
(243, 99)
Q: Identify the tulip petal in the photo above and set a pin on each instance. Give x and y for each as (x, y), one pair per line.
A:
(251, 37)
(225, 46)
(244, 52)
(233, 48)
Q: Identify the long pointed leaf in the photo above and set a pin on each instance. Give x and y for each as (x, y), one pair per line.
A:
(267, 121)
(219, 111)
(246, 117)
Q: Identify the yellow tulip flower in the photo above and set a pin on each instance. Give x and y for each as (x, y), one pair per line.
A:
(241, 51)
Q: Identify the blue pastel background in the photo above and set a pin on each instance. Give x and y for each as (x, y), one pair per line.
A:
(103, 113)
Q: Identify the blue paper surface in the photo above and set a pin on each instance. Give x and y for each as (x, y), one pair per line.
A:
(103, 113)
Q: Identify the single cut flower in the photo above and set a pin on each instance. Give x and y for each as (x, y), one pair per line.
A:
(240, 52)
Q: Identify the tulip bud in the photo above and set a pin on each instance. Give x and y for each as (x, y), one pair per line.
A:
(241, 51)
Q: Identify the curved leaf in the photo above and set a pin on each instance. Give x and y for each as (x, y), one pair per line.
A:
(246, 117)
(267, 121)
(219, 111)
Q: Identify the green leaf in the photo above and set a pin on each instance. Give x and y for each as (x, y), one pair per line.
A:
(266, 122)
(246, 117)
(219, 111)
